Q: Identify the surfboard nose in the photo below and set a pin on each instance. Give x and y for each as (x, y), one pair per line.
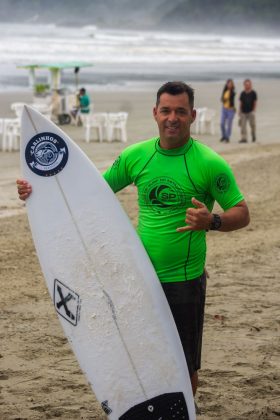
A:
(28, 111)
(32, 122)
(28, 118)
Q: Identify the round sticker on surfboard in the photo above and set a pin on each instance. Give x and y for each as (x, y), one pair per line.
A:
(46, 154)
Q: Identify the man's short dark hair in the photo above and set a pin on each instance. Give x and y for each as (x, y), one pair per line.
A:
(176, 88)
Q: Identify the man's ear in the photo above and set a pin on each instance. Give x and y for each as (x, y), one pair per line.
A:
(193, 115)
(155, 112)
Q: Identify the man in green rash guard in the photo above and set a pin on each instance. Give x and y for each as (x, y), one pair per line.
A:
(178, 181)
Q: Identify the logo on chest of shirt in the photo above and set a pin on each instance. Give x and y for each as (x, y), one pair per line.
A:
(164, 194)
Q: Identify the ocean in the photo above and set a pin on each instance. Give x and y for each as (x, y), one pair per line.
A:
(133, 58)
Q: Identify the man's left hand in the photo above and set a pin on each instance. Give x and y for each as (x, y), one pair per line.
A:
(197, 218)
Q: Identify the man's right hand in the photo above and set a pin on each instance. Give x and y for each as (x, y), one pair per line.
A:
(24, 189)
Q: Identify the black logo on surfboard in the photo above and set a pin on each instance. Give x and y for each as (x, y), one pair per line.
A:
(46, 154)
(67, 302)
(105, 407)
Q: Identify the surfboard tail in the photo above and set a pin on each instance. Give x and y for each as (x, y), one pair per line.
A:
(165, 406)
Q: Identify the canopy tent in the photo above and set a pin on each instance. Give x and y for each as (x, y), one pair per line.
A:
(55, 71)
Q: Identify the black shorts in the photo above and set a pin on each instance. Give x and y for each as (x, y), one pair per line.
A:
(187, 301)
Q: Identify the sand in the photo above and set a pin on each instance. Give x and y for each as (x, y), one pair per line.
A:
(40, 378)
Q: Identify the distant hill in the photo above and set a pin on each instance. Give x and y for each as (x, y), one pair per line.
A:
(196, 15)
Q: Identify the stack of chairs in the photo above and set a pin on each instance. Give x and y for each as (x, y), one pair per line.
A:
(97, 121)
(10, 131)
(117, 126)
(108, 126)
(205, 121)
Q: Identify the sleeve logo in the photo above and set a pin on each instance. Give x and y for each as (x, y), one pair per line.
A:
(117, 162)
(222, 183)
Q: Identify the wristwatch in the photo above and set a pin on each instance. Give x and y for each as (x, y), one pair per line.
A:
(216, 222)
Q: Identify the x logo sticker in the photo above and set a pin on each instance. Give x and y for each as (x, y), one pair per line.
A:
(66, 302)
(63, 302)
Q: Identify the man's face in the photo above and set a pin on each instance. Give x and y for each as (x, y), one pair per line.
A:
(174, 117)
(247, 85)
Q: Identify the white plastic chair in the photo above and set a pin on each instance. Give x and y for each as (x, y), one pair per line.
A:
(44, 109)
(1, 132)
(97, 121)
(117, 126)
(205, 121)
(80, 117)
(17, 107)
(11, 134)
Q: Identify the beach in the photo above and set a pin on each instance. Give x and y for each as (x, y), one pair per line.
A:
(40, 377)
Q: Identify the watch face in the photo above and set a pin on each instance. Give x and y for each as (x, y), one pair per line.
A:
(216, 222)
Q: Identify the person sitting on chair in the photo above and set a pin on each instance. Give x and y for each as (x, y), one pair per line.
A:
(83, 105)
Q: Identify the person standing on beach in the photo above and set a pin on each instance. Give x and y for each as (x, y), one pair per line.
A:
(178, 180)
(228, 110)
(248, 104)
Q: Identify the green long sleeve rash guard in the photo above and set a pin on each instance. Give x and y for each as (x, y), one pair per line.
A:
(166, 181)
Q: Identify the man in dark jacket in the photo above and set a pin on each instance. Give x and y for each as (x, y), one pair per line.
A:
(248, 103)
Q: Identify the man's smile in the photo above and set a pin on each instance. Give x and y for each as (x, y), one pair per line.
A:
(174, 128)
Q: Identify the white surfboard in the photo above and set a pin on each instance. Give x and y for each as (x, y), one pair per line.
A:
(103, 286)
